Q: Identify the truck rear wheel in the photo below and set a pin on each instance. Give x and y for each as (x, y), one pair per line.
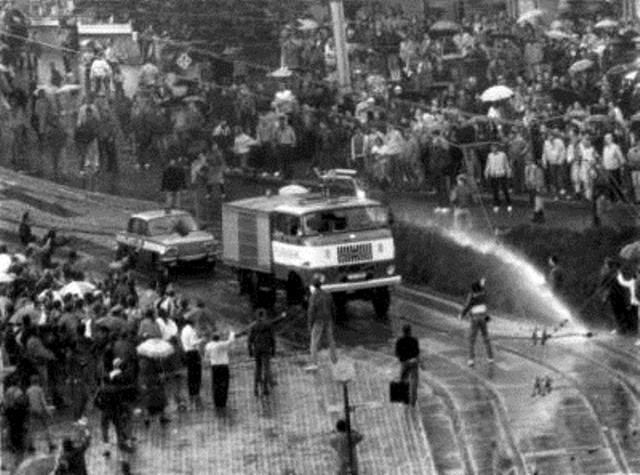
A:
(381, 299)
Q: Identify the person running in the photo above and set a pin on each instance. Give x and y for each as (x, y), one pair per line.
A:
(477, 305)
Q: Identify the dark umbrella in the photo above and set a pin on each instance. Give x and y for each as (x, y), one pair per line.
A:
(112, 323)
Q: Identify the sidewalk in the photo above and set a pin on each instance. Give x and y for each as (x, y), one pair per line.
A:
(287, 432)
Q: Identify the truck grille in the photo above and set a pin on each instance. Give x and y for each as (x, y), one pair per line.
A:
(355, 253)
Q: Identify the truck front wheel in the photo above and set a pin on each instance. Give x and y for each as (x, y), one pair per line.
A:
(381, 299)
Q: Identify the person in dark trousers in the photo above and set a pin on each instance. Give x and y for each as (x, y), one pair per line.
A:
(477, 305)
(262, 346)
(321, 316)
(216, 353)
(344, 443)
(72, 461)
(408, 353)
(16, 415)
(24, 230)
(174, 180)
(555, 277)
(191, 346)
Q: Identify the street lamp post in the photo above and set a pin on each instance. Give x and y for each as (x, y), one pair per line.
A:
(343, 372)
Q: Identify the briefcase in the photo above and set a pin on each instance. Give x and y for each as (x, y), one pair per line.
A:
(399, 391)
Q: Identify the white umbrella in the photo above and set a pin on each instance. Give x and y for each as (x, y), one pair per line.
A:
(155, 348)
(558, 35)
(631, 76)
(6, 278)
(556, 25)
(306, 24)
(631, 251)
(496, 93)
(5, 262)
(69, 88)
(606, 23)
(580, 66)
(37, 465)
(78, 288)
(283, 72)
(54, 294)
(531, 16)
(293, 190)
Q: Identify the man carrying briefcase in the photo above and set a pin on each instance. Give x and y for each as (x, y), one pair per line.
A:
(408, 353)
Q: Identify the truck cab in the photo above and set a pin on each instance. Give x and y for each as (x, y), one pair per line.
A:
(284, 240)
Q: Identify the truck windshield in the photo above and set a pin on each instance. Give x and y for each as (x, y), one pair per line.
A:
(345, 220)
(180, 224)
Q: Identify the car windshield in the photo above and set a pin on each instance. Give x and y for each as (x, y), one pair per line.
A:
(345, 220)
(182, 224)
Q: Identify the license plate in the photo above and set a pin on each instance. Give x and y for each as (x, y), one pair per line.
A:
(358, 276)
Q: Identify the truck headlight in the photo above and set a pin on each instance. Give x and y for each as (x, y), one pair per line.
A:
(171, 252)
(391, 269)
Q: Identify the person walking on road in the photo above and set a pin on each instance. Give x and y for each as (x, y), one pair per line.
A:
(173, 182)
(262, 347)
(321, 316)
(344, 442)
(408, 353)
(191, 346)
(477, 305)
(216, 353)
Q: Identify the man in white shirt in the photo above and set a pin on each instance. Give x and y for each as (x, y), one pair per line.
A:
(216, 353)
(100, 75)
(554, 157)
(191, 346)
(612, 162)
(497, 170)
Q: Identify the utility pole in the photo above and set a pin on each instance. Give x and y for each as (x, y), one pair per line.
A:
(340, 40)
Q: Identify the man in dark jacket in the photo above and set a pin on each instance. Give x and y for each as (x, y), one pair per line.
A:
(262, 346)
(72, 461)
(174, 180)
(408, 353)
(321, 314)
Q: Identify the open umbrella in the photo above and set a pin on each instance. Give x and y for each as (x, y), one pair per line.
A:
(580, 66)
(37, 465)
(631, 76)
(111, 323)
(496, 93)
(6, 278)
(193, 99)
(283, 72)
(559, 35)
(618, 69)
(27, 311)
(78, 288)
(155, 348)
(631, 251)
(607, 23)
(531, 16)
(69, 88)
(444, 27)
(53, 294)
(5, 262)
(306, 24)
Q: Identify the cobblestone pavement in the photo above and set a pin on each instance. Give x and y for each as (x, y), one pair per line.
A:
(285, 433)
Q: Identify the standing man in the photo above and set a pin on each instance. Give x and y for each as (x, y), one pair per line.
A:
(173, 182)
(191, 346)
(555, 278)
(285, 142)
(612, 163)
(262, 346)
(216, 353)
(477, 306)
(497, 170)
(554, 157)
(461, 199)
(321, 315)
(408, 353)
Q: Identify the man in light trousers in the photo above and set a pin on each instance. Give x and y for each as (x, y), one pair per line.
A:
(321, 316)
